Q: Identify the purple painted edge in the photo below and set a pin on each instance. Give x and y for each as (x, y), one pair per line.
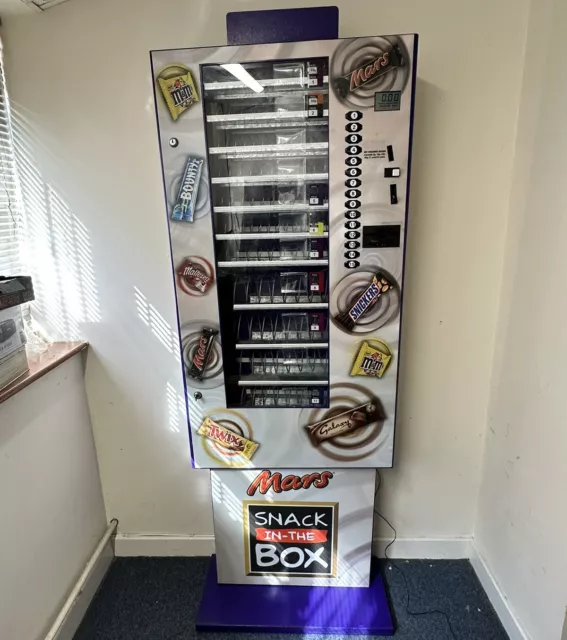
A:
(288, 609)
(282, 25)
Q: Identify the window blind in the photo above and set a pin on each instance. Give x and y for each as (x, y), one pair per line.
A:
(10, 200)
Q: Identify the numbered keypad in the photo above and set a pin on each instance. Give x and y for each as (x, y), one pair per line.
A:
(353, 183)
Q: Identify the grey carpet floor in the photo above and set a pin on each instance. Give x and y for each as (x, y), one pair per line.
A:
(158, 598)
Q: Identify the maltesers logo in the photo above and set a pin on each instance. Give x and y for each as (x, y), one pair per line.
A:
(268, 480)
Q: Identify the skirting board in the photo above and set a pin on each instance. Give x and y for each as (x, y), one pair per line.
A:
(186, 546)
(497, 598)
(81, 604)
(163, 545)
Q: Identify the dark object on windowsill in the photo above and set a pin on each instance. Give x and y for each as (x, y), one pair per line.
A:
(15, 290)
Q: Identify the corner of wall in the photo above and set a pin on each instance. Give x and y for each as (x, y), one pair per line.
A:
(529, 101)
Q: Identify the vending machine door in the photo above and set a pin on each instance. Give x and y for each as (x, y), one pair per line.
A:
(286, 171)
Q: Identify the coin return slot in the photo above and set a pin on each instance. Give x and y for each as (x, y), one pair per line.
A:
(393, 194)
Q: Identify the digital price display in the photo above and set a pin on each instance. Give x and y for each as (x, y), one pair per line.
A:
(387, 100)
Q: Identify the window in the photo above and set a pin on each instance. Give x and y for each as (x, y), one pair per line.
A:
(40, 235)
(10, 200)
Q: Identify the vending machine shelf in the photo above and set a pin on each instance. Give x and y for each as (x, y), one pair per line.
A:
(302, 207)
(246, 94)
(269, 119)
(271, 179)
(288, 84)
(284, 397)
(282, 305)
(281, 150)
(303, 365)
(271, 263)
(271, 235)
(251, 381)
(282, 345)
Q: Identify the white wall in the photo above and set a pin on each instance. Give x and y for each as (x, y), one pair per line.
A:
(51, 499)
(521, 527)
(80, 81)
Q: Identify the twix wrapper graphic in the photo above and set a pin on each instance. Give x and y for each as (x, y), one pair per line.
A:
(343, 423)
(227, 438)
(369, 71)
(178, 89)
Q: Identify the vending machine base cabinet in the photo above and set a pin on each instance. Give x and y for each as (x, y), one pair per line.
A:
(290, 609)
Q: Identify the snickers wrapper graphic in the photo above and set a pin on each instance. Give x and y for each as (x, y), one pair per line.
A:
(378, 286)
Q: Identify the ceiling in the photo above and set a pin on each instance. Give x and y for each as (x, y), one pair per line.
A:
(42, 5)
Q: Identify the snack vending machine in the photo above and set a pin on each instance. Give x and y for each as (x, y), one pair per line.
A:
(286, 173)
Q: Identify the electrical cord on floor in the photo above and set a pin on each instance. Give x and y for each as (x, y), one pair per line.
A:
(414, 614)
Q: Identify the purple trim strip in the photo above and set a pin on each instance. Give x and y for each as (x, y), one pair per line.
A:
(289, 609)
(282, 25)
(406, 223)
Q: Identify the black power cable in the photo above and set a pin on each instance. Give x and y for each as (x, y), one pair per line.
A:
(414, 614)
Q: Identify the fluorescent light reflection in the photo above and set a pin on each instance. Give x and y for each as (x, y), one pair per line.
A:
(238, 71)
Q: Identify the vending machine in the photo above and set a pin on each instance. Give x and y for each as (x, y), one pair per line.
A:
(286, 176)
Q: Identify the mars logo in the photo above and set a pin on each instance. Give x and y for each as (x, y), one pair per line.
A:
(268, 480)
(291, 538)
(369, 70)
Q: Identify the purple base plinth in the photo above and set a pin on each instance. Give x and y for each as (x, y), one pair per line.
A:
(285, 609)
